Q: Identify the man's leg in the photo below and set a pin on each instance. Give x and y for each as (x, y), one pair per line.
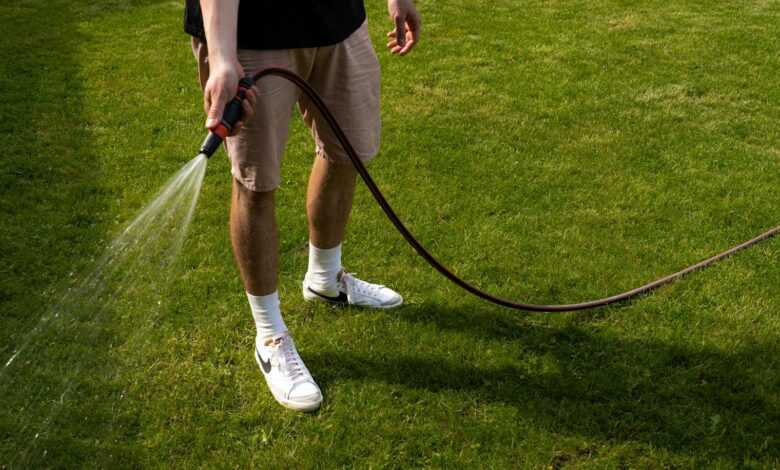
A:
(329, 202)
(347, 76)
(255, 239)
(256, 156)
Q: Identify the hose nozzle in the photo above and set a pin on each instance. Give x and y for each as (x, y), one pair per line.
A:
(230, 117)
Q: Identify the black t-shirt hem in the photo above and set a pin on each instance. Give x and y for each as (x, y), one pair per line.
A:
(195, 32)
(305, 31)
(302, 42)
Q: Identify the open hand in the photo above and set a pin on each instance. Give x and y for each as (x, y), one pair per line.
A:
(406, 34)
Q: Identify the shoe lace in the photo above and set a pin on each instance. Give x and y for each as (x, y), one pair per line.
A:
(292, 364)
(363, 287)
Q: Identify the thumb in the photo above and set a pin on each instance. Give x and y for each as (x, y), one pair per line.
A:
(213, 116)
(215, 103)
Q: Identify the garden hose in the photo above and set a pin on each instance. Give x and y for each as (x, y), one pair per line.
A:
(233, 112)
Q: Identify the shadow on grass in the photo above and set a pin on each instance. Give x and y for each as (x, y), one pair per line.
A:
(60, 395)
(611, 389)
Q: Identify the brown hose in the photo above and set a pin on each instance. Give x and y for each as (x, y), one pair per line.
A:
(361, 169)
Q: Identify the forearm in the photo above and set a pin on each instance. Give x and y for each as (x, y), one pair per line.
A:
(220, 19)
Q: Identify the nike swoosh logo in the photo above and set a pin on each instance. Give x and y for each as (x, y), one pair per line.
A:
(266, 365)
(340, 299)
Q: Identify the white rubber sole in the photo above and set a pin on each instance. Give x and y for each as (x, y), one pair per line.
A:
(289, 404)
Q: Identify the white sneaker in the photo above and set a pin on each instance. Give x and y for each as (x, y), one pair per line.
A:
(286, 375)
(353, 291)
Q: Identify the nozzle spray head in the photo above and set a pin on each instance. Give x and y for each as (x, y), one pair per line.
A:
(230, 117)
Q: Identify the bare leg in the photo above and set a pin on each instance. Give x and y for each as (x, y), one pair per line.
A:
(329, 202)
(255, 239)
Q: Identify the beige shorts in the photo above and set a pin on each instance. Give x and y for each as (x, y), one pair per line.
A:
(346, 75)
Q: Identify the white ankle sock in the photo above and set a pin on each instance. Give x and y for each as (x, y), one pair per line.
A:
(324, 267)
(267, 315)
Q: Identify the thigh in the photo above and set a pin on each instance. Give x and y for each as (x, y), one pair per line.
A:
(348, 78)
(256, 152)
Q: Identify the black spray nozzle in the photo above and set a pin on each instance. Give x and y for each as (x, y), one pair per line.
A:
(230, 117)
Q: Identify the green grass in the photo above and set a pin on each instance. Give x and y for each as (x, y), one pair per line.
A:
(552, 151)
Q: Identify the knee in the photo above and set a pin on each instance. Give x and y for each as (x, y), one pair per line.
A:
(252, 200)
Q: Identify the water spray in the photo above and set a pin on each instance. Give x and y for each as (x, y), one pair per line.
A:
(232, 114)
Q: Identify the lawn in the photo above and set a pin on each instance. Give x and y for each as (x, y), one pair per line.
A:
(550, 151)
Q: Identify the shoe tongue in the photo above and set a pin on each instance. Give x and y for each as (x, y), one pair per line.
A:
(278, 339)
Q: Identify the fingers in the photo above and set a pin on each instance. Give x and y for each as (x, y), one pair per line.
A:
(248, 110)
(412, 33)
(411, 38)
(220, 88)
(215, 101)
(216, 97)
(392, 42)
(248, 105)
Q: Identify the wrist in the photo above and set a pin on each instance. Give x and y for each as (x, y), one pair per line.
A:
(223, 59)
